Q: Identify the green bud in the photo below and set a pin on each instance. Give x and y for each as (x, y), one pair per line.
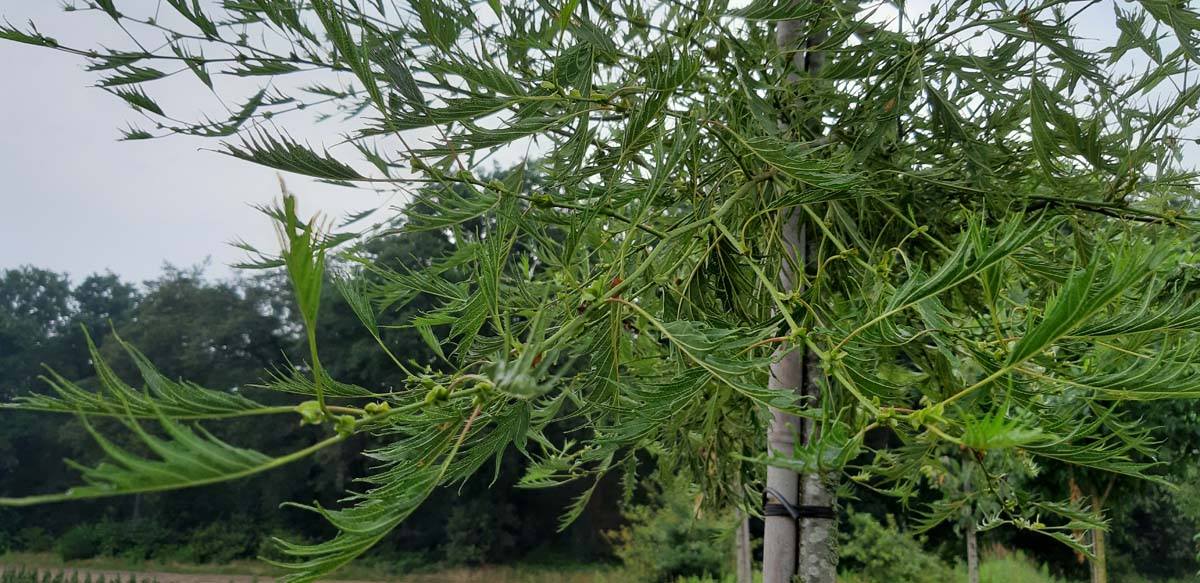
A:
(377, 408)
(437, 394)
(310, 413)
(344, 425)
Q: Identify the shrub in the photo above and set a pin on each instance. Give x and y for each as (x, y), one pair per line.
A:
(666, 540)
(479, 532)
(140, 540)
(81, 542)
(883, 553)
(34, 539)
(221, 542)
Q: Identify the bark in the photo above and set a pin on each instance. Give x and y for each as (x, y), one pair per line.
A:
(779, 532)
(745, 563)
(972, 553)
(1099, 566)
(817, 550)
(1099, 561)
(817, 545)
(780, 536)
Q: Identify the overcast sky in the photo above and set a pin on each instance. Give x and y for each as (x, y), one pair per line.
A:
(74, 199)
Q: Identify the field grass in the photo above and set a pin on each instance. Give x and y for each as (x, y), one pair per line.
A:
(11, 574)
(998, 568)
(1008, 568)
(249, 570)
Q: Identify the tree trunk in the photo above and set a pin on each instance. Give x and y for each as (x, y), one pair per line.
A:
(779, 532)
(780, 537)
(817, 550)
(1099, 566)
(1099, 561)
(817, 538)
(743, 551)
(972, 553)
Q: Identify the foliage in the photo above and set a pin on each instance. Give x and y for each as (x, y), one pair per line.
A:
(221, 542)
(994, 219)
(478, 533)
(670, 538)
(34, 538)
(881, 552)
(81, 542)
(132, 539)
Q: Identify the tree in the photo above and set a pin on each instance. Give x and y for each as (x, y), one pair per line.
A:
(36, 308)
(981, 219)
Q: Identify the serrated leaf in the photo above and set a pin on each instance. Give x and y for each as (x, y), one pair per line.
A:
(161, 397)
(130, 74)
(10, 32)
(254, 68)
(185, 459)
(773, 10)
(138, 99)
(283, 153)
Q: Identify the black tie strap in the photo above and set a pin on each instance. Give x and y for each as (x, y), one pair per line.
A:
(785, 508)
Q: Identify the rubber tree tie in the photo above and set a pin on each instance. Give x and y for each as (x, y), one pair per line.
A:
(785, 508)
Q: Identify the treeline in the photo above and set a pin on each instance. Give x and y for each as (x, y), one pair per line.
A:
(230, 335)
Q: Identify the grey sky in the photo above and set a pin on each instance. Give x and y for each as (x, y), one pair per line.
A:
(74, 199)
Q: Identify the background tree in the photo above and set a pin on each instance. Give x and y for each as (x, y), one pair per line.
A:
(992, 249)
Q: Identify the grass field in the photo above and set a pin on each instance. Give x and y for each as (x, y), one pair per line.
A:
(1004, 568)
(251, 571)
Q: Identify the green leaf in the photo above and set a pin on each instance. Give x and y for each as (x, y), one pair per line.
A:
(778, 10)
(10, 32)
(455, 110)
(138, 99)
(196, 64)
(969, 260)
(999, 431)
(293, 380)
(1182, 18)
(399, 75)
(160, 398)
(832, 450)
(797, 161)
(130, 74)
(1086, 292)
(196, 16)
(283, 153)
(254, 68)
(230, 126)
(185, 459)
(135, 134)
(109, 8)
